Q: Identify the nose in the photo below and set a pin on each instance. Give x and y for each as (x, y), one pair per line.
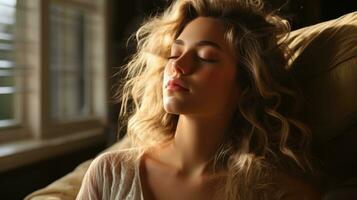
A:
(177, 68)
(182, 65)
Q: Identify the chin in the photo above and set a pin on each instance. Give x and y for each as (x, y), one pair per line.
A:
(175, 108)
(172, 105)
(172, 109)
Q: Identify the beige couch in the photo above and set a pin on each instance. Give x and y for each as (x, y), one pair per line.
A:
(325, 64)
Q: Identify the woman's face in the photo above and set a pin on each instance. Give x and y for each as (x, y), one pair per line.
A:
(200, 76)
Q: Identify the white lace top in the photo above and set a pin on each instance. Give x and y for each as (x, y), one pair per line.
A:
(111, 176)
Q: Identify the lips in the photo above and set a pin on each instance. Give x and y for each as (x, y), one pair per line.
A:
(176, 84)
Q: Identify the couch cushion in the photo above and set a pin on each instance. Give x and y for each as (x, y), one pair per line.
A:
(325, 64)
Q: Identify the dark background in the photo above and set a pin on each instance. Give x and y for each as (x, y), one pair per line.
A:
(123, 19)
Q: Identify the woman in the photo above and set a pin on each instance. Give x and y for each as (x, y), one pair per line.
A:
(213, 107)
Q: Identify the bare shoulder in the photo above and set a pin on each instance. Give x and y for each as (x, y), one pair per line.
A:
(297, 189)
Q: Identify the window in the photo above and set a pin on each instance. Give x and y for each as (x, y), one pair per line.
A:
(76, 66)
(52, 70)
(10, 108)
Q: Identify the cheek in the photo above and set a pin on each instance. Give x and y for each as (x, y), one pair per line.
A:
(165, 76)
(217, 80)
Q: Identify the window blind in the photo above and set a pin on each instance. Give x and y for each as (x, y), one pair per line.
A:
(9, 82)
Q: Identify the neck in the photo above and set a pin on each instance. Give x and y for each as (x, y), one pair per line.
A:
(196, 141)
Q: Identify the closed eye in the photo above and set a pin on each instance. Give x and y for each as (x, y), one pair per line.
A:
(173, 57)
(206, 60)
(198, 57)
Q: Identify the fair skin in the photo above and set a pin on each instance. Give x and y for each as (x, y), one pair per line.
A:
(202, 60)
(205, 68)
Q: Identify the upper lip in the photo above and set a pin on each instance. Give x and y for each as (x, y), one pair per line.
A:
(177, 82)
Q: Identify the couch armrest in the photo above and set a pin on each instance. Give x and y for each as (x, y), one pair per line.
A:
(67, 187)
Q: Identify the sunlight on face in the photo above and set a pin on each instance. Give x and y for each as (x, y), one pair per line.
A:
(200, 76)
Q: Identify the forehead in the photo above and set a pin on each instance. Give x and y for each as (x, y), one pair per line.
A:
(204, 28)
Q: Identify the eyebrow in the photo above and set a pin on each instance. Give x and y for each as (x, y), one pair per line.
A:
(200, 43)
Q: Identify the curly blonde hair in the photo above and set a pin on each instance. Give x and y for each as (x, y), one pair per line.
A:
(265, 136)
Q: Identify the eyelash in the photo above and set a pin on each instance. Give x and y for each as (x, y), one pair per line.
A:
(172, 57)
(201, 59)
